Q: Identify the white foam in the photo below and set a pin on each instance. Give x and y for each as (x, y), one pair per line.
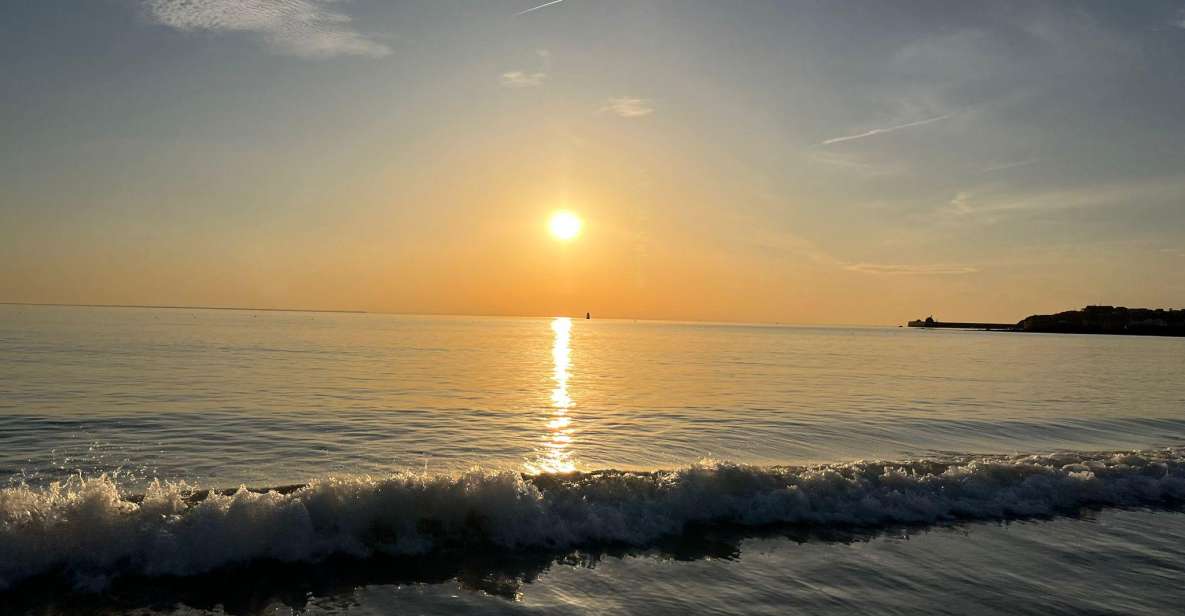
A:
(86, 528)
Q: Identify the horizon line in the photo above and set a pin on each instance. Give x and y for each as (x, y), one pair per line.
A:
(178, 307)
(444, 314)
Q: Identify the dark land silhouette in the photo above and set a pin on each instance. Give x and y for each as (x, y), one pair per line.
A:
(1090, 320)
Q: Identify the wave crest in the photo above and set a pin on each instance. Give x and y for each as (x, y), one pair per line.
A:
(90, 530)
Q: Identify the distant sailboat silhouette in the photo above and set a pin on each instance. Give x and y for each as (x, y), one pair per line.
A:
(588, 315)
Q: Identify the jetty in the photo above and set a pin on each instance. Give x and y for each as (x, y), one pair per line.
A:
(930, 323)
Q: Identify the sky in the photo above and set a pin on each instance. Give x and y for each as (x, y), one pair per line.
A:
(820, 161)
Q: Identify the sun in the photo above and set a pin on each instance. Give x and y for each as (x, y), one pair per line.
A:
(564, 226)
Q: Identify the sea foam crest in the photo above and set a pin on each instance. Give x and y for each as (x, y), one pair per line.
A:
(90, 530)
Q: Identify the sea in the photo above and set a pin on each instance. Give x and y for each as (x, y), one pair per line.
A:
(199, 461)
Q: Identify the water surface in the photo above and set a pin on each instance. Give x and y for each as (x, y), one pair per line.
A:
(263, 398)
(701, 467)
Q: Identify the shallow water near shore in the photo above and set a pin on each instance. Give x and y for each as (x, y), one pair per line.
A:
(624, 466)
(1105, 562)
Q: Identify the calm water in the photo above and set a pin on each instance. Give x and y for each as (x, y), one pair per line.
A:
(710, 468)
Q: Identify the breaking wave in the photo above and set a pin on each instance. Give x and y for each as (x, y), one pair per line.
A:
(89, 530)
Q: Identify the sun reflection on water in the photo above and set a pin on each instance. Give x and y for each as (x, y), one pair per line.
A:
(555, 456)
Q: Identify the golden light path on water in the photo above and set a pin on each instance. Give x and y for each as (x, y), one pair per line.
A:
(556, 454)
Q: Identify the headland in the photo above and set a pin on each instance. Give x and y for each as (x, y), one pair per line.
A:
(1090, 320)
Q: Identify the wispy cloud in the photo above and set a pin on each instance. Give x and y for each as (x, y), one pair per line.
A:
(1010, 165)
(1113, 194)
(781, 244)
(628, 107)
(522, 79)
(888, 129)
(536, 8)
(308, 28)
(961, 203)
(528, 79)
(911, 270)
(986, 205)
(854, 163)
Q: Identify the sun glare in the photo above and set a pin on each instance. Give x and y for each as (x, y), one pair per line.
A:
(564, 225)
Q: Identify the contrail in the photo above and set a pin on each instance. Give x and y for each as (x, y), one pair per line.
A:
(538, 7)
(879, 131)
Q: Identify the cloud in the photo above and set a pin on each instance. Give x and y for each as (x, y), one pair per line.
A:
(991, 206)
(628, 107)
(1010, 165)
(881, 131)
(536, 8)
(307, 28)
(521, 79)
(961, 203)
(781, 243)
(857, 164)
(911, 270)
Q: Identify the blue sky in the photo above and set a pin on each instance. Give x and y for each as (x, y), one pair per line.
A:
(777, 161)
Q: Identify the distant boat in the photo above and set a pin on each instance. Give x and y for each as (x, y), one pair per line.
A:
(588, 315)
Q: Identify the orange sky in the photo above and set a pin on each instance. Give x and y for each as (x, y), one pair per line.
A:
(747, 163)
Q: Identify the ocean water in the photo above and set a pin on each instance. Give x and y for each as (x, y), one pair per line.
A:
(244, 462)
